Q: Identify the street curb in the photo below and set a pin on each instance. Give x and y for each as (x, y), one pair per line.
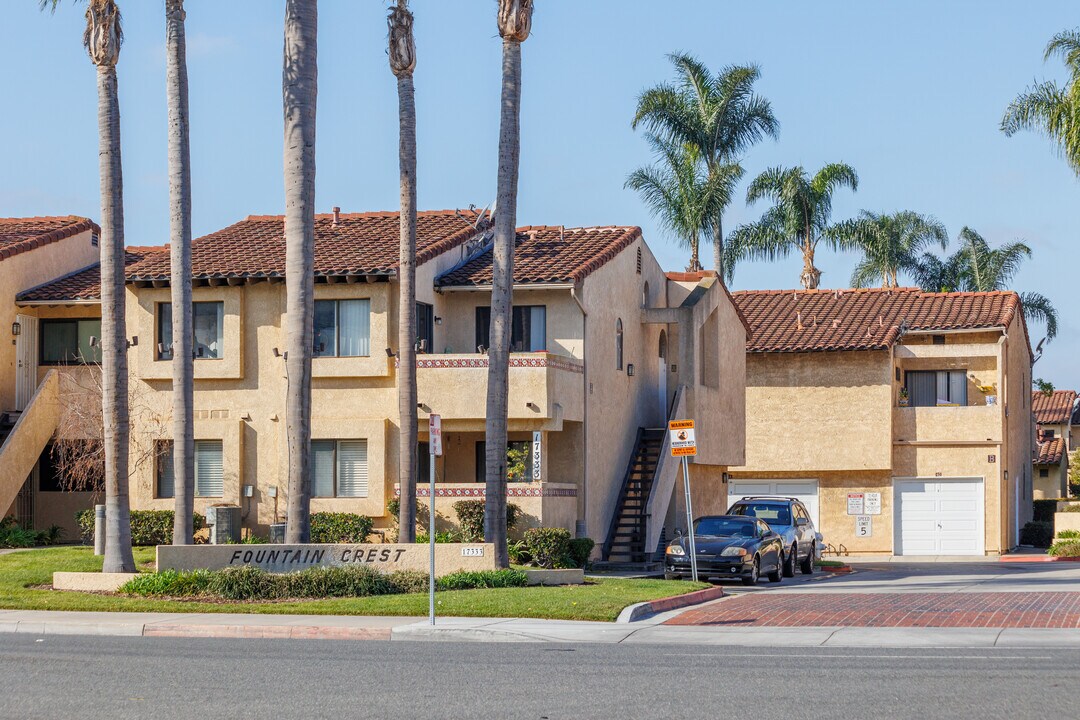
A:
(642, 610)
(275, 632)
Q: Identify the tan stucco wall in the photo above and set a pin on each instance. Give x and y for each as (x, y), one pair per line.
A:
(1055, 485)
(1019, 434)
(27, 270)
(818, 411)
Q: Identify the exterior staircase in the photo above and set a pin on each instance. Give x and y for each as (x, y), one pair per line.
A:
(24, 435)
(7, 424)
(626, 539)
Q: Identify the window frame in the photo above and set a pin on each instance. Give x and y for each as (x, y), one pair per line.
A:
(45, 322)
(937, 375)
(165, 354)
(482, 334)
(481, 460)
(164, 452)
(336, 442)
(425, 326)
(316, 353)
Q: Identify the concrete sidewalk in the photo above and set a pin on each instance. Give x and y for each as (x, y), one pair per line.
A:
(651, 630)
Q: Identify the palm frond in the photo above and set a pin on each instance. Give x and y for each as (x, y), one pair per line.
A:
(1039, 308)
(1066, 45)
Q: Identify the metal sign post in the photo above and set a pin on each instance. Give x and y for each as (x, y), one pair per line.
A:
(684, 445)
(435, 449)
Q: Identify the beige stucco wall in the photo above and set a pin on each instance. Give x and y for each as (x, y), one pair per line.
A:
(818, 411)
(27, 270)
(1055, 485)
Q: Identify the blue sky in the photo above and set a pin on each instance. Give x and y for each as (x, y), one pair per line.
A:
(909, 93)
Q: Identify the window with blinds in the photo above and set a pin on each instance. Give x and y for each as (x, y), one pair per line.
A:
(339, 468)
(209, 469)
(342, 328)
(933, 388)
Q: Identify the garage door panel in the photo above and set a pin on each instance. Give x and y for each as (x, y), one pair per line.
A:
(805, 491)
(939, 517)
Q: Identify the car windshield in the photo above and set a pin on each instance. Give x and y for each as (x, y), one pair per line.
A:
(724, 527)
(776, 514)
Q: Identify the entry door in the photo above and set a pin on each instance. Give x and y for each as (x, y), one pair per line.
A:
(938, 517)
(26, 345)
(661, 378)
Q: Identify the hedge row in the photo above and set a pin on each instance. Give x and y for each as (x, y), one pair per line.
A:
(249, 583)
(551, 548)
(148, 527)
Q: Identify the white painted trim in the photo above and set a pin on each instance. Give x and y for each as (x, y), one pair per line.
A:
(968, 478)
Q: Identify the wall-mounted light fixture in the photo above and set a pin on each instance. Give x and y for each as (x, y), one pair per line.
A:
(390, 353)
(16, 328)
(438, 320)
(630, 369)
(532, 406)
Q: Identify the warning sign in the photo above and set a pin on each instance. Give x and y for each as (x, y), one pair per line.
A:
(683, 442)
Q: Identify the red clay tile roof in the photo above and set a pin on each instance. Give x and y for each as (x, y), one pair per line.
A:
(547, 254)
(81, 285)
(361, 244)
(1050, 452)
(1055, 408)
(18, 235)
(870, 319)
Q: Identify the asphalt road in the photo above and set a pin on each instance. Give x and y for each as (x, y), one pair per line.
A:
(119, 678)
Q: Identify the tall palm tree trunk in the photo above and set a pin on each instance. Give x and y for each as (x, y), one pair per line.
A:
(718, 245)
(514, 20)
(402, 63)
(299, 95)
(103, 38)
(180, 265)
(810, 276)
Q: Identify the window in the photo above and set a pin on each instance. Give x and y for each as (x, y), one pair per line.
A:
(618, 345)
(425, 327)
(1048, 434)
(1044, 472)
(518, 461)
(931, 388)
(645, 295)
(206, 330)
(528, 328)
(342, 328)
(209, 469)
(339, 468)
(67, 342)
(423, 462)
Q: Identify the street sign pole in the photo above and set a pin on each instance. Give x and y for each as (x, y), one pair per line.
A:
(435, 450)
(684, 445)
(690, 518)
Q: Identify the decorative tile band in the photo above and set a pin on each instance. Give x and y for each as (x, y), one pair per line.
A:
(478, 492)
(553, 361)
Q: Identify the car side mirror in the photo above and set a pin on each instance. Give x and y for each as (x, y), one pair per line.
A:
(802, 521)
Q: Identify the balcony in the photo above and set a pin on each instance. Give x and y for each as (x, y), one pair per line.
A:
(545, 388)
(948, 424)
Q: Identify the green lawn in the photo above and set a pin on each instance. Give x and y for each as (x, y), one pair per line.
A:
(603, 599)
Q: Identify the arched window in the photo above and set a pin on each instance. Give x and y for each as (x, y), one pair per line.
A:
(663, 347)
(618, 344)
(645, 295)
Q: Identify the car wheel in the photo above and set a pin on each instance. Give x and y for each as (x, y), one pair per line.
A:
(790, 560)
(807, 565)
(777, 573)
(755, 573)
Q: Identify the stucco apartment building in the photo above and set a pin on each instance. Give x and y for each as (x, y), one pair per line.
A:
(1054, 415)
(903, 419)
(605, 346)
(33, 251)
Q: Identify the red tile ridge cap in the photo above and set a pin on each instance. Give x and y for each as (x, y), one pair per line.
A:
(370, 214)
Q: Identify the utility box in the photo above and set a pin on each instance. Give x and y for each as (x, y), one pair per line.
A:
(224, 522)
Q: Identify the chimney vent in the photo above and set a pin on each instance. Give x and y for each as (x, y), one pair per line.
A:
(337, 216)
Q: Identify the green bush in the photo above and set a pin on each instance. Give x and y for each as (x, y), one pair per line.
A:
(580, 549)
(253, 539)
(470, 515)
(519, 552)
(393, 509)
(1065, 549)
(1038, 534)
(347, 581)
(328, 527)
(409, 581)
(169, 583)
(148, 527)
(1043, 510)
(482, 579)
(549, 547)
(1068, 535)
(1073, 507)
(246, 583)
(440, 537)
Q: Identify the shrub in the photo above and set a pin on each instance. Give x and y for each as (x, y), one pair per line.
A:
(470, 514)
(580, 549)
(1068, 535)
(1043, 510)
(549, 547)
(170, 583)
(1065, 549)
(1038, 534)
(393, 508)
(1072, 507)
(148, 527)
(409, 581)
(519, 552)
(253, 539)
(246, 583)
(440, 537)
(349, 581)
(482, 579)
(328, 527)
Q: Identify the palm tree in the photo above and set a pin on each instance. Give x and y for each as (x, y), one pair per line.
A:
(890, 244)
(719, 115)
(180, 260)
(402, 62)
(684, 193)
(798, 219)
(299, 91)
(1050, 108)
(102, 39)
(977, 267)
(515, 23)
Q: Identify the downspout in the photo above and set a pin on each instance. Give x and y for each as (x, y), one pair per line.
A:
(1003, 354)
(581, 527)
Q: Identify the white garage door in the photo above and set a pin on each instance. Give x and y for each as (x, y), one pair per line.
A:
(804, 490)
(938, 517)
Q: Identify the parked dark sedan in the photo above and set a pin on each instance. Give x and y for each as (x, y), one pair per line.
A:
(728, 546)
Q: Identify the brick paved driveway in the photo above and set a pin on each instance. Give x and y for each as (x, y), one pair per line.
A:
(884, 609)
